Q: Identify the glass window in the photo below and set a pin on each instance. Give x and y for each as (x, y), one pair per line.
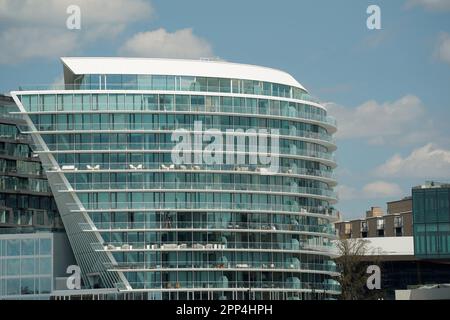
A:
(151, 101)
(129, 81)
(49, 102)
(159, 83)
(197, 102)
(236, 86)
(27, 286)
(248, 87)
(77, 102)
(25, 102)
(113, 102)
(187, 83)
(45, 265)
(443, 205)
(166, 102)
(201, 84)
(13, 247)
(34, 105)
(129, 105)
(45, 247)
(67, 102)
(267, 88)
(182, 102)
(12, 287)
(86, 101)
(213, 84)
(170, 83)
(27, 266)
(102, 101)
(225, 85)
(28, 246)
(418, 206)
(144, 82)
(113, 81)
(138, 102)
(13, 267)
(45, 285)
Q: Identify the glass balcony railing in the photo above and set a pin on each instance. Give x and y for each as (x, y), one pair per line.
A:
(134, 87)
(134, 186)
(128, 127)
(167, 246)
(145, 167)
(271, 266)
(294, 111)
(202, 225)
(168, 147)
(244, 285)
(295, 209)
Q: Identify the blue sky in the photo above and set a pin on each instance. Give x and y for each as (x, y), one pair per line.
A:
(388, 88)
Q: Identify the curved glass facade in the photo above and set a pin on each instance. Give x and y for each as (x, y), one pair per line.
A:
(140, 221)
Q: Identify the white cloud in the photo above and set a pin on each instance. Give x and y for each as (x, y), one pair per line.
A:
(36, 29)
(381, 189)
(93, 13)
(162, 44)
(398, 122)
(443, 48)
(25, 43)
(373, 190)
(346, 193)
(432, 5)
(426, 162)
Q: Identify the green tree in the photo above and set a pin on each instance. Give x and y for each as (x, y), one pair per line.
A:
(354, 257)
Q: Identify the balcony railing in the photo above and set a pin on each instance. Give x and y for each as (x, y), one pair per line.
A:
(145, 167)
(294, 209)
(243, 285)
(203, 225)
(135, 186)
(143, 246)
(294, 266)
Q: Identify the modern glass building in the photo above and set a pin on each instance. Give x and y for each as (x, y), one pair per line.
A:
(26, 201)
(30, 264)
(141, 221)
(431, 219)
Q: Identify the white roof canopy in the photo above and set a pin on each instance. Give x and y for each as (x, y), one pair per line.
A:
(179, 67)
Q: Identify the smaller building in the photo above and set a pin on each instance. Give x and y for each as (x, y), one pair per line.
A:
(432, 220)
(26, 201)
(410, 242)
(30, 263)
(396, 223)
(34, 248)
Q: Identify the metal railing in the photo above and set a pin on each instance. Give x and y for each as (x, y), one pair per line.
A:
(131, 127)
(180, 264)
(144, 186)
(211, 206)
(203, 225)
(144, 246)
(225, 284)
(168, 147)
(145, 167)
